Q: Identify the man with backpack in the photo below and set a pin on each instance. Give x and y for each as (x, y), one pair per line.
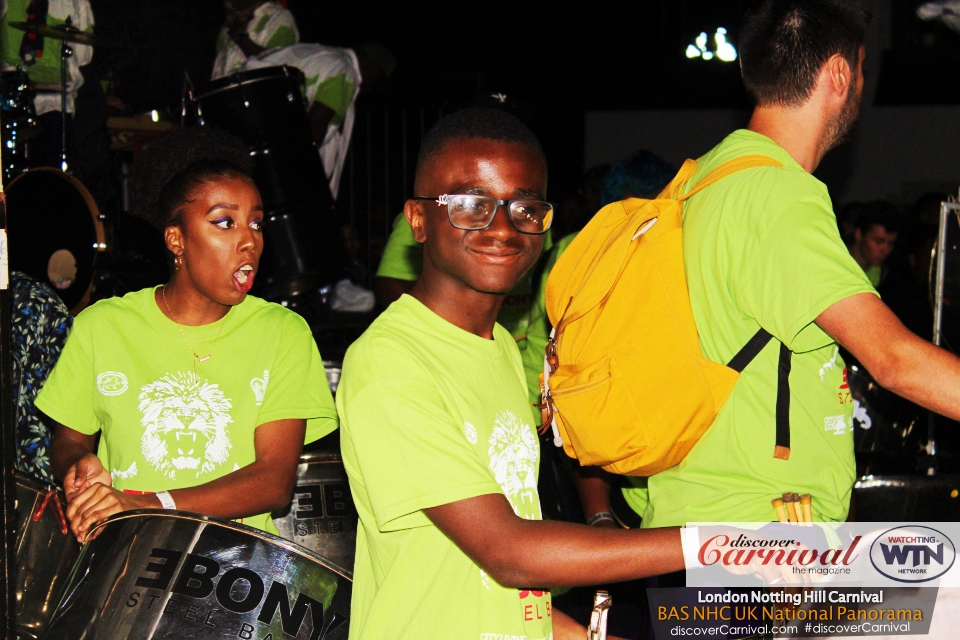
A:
(761, 250)
(771, 291)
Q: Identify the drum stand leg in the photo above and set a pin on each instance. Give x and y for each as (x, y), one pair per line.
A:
(65, 52)
(8, 441)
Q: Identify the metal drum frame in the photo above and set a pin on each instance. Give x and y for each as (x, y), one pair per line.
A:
(322, 516)
(155, 574)
(45, 553)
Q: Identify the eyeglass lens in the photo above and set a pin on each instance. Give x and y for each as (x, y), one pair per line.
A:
(476, 212)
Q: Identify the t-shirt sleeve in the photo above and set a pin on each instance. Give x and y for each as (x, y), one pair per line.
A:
(336, 92)
(798, 268)
(298, 387)
(410, 451)
(403, 256)
(68, 394)
(277, 28)
(284, 36)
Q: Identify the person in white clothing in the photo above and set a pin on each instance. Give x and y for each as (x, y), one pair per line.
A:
(333, 79)
(251, 27)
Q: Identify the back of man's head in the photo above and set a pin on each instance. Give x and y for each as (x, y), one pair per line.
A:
(785, 43)
(477, 122)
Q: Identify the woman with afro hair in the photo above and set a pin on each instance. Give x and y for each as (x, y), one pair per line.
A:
(203, 396)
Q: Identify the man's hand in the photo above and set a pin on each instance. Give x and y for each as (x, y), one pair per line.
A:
(87, 471)
(98, 502)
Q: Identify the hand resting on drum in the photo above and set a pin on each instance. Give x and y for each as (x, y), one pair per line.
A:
(260, 487)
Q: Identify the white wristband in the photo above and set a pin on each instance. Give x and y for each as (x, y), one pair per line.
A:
(166, 500)
(690, 543)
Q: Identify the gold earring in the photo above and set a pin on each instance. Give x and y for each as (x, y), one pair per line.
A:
(178, 262)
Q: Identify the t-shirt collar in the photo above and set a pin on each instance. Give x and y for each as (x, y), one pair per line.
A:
(771, 148)
(160, 321)
(435, 325)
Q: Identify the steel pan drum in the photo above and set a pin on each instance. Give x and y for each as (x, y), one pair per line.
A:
(157, 574)
(45, 554)
(321, 516)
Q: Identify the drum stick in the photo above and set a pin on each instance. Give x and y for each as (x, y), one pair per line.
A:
(781, 511)
(791, 507)
(806, 504)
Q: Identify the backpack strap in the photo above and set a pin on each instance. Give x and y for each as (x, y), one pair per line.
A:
(731, 166)
(781, 450)
(745, 356)
(750, 351)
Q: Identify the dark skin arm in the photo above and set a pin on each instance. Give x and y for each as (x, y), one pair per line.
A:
(593, 487)
(248, 46)
(265, 485)
(898, 359)
(388, 290)
(522, 553)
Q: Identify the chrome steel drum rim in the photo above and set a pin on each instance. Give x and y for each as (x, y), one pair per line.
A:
(248, 77)
(227, 524)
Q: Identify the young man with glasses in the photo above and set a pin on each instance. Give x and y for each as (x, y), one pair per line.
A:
(437, 436)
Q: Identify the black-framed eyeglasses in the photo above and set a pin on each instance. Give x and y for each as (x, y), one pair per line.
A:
(472, 212)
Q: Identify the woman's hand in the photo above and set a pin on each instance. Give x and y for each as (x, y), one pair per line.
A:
(98, 502)
(83, 474)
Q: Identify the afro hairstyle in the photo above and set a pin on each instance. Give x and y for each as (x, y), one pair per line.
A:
(171, 168)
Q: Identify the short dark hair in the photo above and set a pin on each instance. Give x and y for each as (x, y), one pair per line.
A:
(879, 213)
(171, 169)
(785, 43)
(477, 122)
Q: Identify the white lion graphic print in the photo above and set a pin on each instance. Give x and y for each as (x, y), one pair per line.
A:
(185, 425)
(514, 458)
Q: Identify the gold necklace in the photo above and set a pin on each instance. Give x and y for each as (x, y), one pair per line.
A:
(196, 356)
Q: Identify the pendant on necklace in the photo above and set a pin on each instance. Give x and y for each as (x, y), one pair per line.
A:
(204, 358)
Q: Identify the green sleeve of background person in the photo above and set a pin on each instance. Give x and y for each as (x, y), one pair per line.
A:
(874, 272)
(336, 92)
(282, 37)
(538, 330)
(403, 256)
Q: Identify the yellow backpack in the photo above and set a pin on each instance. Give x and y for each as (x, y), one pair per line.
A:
(626, 386)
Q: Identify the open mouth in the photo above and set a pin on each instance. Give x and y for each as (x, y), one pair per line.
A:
(243, 273)
(244, 277)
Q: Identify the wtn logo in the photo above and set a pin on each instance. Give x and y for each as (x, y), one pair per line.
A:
(922, 554)
(912, 554)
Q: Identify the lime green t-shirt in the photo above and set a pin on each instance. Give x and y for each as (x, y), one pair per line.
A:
(430, 415)
(127, 372)
(874, 273)
(761, 249)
